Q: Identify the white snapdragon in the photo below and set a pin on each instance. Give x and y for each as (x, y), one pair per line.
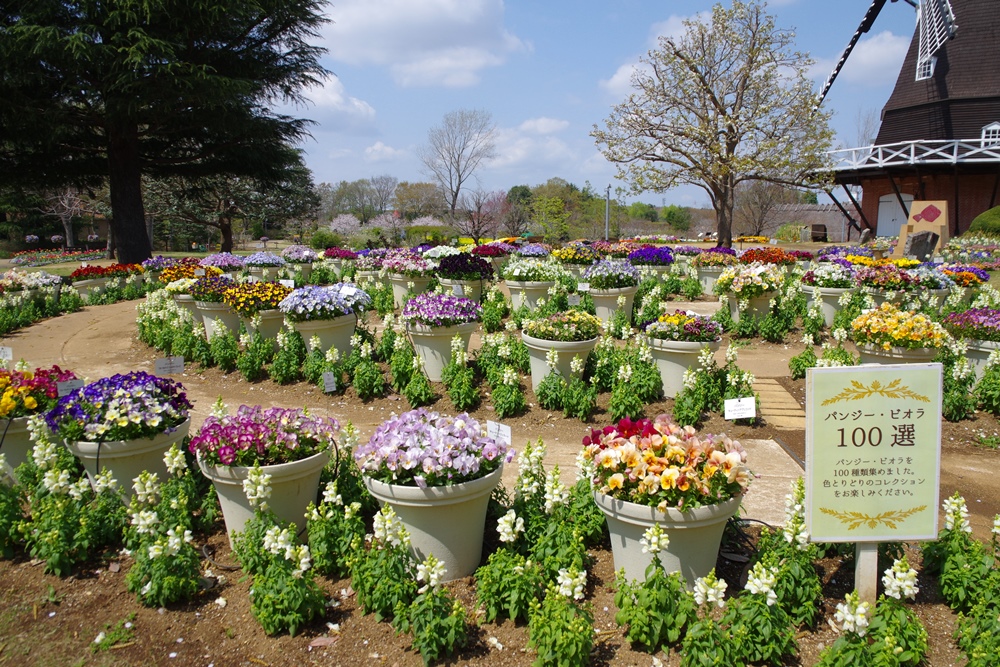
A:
(430, 573)
(219, 408)
(852, 615)
(576, 366)
(300, 556)
(366, 350)
(176, 538)
(711, 590)
(146, 487)
(79, 489)
(532, 472)
(44, 454)
(510, 377)
(571, 583)
(104, 481)
(956, 514)
(996, 526)
(625, 373)
(331, 496)
(556, 493)
(654, 540)
(389, 529)
(174, 460)
(145, 521)
(277, 540)
(585, 467)
(761, 582)
(552, 358)
(332, 355)
(900, 580)
(794, 528)
(510, 526)
(257, 487)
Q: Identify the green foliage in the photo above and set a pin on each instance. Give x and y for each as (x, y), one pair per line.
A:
(436, 621)
(225, 350)
(655, 610)
(508, 399)
(10, 516)
(579, 399)
(625, 402)
(958, 401)
(559, 545)
(708, 644)
(401, 364)
(709, 387)
(160, 575)
(550, 391)
(678, 217)
(802, 362)
(760, 632)
(383, 578)
(121, 632)
(287, 365)
(978, 635)
(368, 380)
(418, 391)
(495, 308)
(335, 532)
(895, 638)
(462, 390)
(561, 631)
(587, 516)
(252, 361)
(987, 222)
(507, 586)
(284, 602)
(988, 390)
(322, 239)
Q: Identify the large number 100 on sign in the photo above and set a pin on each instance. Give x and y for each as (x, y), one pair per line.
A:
(873, 452)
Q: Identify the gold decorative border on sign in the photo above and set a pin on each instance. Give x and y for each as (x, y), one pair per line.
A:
(857, 519)
(859, 392)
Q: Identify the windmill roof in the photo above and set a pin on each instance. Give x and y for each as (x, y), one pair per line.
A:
(963, 95)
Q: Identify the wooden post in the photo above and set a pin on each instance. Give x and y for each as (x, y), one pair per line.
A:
(866, 571)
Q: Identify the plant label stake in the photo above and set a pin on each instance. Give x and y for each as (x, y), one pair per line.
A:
(169, 365)
(873, 459)
(458, 290)
(741, 408)
(499, 432)
(573, 299)
(290, 284)
(64, 388)
(583, 287)
(198, 273)
(6, 353)
(329, 382)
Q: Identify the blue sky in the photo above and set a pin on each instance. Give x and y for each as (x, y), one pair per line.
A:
(547, 71)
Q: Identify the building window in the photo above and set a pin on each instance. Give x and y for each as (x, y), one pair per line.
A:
(925, 68)
(991, 134)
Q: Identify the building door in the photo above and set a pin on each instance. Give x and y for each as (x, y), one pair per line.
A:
(891, 216)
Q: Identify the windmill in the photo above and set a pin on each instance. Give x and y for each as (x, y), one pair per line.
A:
(939, 136)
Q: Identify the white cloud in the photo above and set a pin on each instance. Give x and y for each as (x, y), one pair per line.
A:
(543, 125)
(379, 152)
(620, 83)
(874, 62)
(334, 108)
(532, 145)
(422, 42)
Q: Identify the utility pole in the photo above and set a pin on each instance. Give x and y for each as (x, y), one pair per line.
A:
(607, 214)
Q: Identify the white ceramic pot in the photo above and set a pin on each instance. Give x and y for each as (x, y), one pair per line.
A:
(528, 292)
(447, 521)
(15, 446)
(305, 270)
(829, 300)
(218, 318)
(694, 535)
(873, 354)
(538, 350)
(606, 301)
(186, 302)
(707, 276)
(977, 354)
(127, 459)
(271, 322)
(332, 333)
(433, 344)
(293, 486)
(400, 286)
(361, 277)
(91, 286)
(264, 273)
(470, 289)
(673, 358)
(757, 306)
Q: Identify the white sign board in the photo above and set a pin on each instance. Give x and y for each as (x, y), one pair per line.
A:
(499, 432)
(198, 273)
(6, 353)
(574, 299)
(329, 383)
(290, 284)
(583, 287)
(64, 388)
(741, 408)
(169, 366)
(458, 290)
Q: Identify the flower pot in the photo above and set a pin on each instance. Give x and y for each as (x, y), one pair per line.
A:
(87, 287)
(305, 270)
(471, 289)
(977, 354)
(361, 277)
(186, 302)
(758, 306)
(707, 276)
(447, 521)
(152, 276)
(218, 318)
(498, 263)
(127, 459)
(264, 273)
(15, 446)
(528, 292)
(538, 350)
(606, 301)
(271, 322)
(886, 296)
(338, 265)
(293, 486)
(433, 344)
(694, 535)
(332, 333)
(873, 354)
(400, 286)
(829, 300)
(658, 270)
(673, 357)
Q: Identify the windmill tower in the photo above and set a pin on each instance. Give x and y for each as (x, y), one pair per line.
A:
(939, 137)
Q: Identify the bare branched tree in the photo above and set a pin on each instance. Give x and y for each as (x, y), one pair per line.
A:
(66, 204)
(483, 213)
(383, 191)
(456, 149)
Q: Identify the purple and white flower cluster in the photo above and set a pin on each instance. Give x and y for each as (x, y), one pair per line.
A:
(371, 260)
(299, 254)
(533, 250)
(264, 259)
(441, 310)
(974, 324)
(407, 263)
(612, 274)
(423, 448)
(268, 437)
(159, 263)
(121, 407)
(223, 260)
(324, 302)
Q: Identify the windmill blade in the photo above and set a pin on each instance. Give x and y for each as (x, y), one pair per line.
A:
(866, 25)
(936, 21)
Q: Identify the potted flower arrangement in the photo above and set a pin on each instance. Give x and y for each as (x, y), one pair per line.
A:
(767, 255)
(87, 279)
(153, 267)
(613, 249)
(124, 423)
(257, 306)
(676, 340)
(31, 238)
(890, 283)
(966, 276)
(535, 250)
(209, 297)
(289, 445)
(650, 472)
(263, 265)
(576, 257)
(302, 257)
(23, 394)
(224, 261)
(683, 254)
(329, 312)
(497, 252)
(890, 335)
(612, 280)
(826, 284)
(803, 257)
(408, 272)
(29, 284)
(750, 288)
(437, 473)
(980, 327)
(337, 256)
(187, 267)
(709, 264)
(529, 280)
(440, 251)
(655, 258)
(433, 320)
(563, 335)
(466, 272)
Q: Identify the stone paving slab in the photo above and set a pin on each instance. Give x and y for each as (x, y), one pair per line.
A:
(775, 470)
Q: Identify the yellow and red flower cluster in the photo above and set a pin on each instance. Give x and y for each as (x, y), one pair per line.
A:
(30, 392)
(178, 271)
(889, 327)
(658, 463)
(248, 299)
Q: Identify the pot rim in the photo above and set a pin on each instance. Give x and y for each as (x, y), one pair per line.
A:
(414, 496)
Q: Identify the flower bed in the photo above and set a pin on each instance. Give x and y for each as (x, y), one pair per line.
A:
(315, 302)
(966, 276)
(747, 281)
(440, 310)
(261, 259)
(43, 257)
(974, 324)
(14, 280)
(30, 392)
(225, 261)
(888, 327)
(610, 274)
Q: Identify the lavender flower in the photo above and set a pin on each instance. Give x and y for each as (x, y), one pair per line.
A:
(533, 250)
(612, 274)
(263, 259)
(422, 448)
(974, 324)
(299, 254)
(316, 302)
(159, 263)
(223, 260)
(441, 310)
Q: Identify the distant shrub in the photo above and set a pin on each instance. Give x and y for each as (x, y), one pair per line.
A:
(987, 222)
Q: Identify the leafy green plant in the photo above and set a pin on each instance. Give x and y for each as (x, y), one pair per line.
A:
(256, 355)
(508, 585)
(418, 391)
(550, 391)
(579, 399)
(401, 363)
(384, 576)
(707, 387)
(336, 531)
(988, 390)
(287, 365)
(801, 362)
(368, 380)
(10, 515)
(225, 351)
(436, 620)
(462, 390)
(508, 397)
(560, 631)
(958, 401)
